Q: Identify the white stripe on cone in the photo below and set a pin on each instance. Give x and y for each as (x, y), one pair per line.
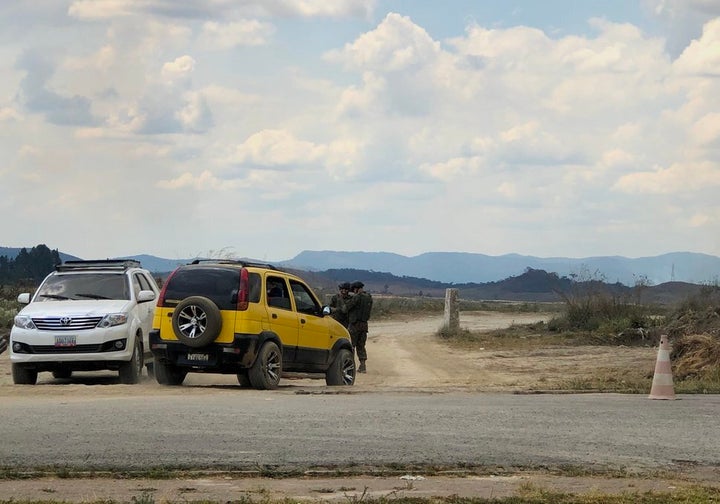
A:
(662, 384)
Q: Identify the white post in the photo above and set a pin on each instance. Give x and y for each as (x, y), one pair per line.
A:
(451, 322)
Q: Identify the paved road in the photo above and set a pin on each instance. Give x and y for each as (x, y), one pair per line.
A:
(247, 429)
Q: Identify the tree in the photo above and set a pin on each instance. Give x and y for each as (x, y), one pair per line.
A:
(29, 266)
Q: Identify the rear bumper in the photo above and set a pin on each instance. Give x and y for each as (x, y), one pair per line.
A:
(215, 358)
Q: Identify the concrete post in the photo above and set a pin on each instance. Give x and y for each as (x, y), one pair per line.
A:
(451, 322)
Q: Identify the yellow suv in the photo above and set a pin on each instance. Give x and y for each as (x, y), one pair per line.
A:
(249, 319)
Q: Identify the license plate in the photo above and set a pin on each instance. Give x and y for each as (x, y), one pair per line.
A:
(198, 357)
(65, 340)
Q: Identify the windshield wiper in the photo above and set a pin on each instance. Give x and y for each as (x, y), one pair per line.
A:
(91, 296)
(54, 296)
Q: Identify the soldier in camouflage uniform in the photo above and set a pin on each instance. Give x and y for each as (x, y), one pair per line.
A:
(337, 304)
(359, 307)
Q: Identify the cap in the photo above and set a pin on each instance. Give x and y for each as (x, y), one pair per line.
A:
(357, 285)
(344, 285)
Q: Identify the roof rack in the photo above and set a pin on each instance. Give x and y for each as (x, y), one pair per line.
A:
(238, 262)
(100, 264)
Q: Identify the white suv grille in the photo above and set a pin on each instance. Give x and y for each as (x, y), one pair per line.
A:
(66, 323)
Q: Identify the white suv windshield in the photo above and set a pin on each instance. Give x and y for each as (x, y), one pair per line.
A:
(84, 286)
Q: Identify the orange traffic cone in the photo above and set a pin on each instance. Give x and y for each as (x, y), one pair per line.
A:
(662, 384)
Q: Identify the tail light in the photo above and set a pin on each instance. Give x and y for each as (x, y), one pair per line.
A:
(243, 292)
(161, 297)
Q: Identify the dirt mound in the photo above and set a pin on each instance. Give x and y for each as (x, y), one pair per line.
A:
(696, 356)
(705, 320)
(695, 336)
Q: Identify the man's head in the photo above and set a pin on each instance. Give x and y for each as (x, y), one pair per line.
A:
(356, 286)
(344, 287)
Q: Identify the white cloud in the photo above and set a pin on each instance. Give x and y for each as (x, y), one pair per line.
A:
(100, 9)
(205, 181)
(702, 56)
(179, 68)
(9, 114)
(246, 32)
(195, 115)
(706, 131)
(454, 168)
(277, 148)
(396, 44)
(677, 178)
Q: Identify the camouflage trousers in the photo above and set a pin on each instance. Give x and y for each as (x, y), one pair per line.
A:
(358, 335)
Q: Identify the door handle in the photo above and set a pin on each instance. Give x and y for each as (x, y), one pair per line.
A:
(274, 315)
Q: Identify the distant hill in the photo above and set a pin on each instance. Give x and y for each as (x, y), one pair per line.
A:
(158, 264)
(459, 267)
(530, 286)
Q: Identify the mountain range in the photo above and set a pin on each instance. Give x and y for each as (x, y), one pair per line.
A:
(462, 267)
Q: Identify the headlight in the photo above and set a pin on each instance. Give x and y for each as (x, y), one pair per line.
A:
(113, 319)
(24, 322)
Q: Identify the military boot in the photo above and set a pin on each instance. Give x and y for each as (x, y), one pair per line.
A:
(362, 368)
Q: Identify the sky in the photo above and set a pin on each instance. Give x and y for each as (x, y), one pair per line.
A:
(262, 128)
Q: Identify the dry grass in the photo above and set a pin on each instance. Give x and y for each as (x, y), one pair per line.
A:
(695, 356)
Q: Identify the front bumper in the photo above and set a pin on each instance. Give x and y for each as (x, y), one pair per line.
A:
(96, 345)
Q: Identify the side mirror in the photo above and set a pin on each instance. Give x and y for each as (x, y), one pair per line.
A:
(326, 310)
(24, 298)
(145, 296)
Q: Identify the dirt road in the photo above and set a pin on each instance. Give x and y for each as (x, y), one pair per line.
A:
(404, 353)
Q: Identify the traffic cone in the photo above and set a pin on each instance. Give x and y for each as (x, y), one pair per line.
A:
(662, 384)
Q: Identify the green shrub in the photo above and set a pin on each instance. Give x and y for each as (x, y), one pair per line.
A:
(9, 305)
(609, 318)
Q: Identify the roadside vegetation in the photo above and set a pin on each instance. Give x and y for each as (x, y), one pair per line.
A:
(595, 317)
(8, 308)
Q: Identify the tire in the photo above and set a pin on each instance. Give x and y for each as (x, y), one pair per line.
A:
(265, 372)
(243, 379)
(196, 321)
(24, 376)
(342, 369)
(131, 370)
(168, 374)
(62, 373)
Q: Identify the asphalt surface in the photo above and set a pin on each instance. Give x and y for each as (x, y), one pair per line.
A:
(251, 430)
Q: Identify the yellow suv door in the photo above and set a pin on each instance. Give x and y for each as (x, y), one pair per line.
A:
(282, 317)
(314, 340)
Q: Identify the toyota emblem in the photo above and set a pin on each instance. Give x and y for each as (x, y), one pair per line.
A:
(65, 321)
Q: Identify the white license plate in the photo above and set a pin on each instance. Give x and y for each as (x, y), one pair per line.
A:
(65, 340)
(198, 357)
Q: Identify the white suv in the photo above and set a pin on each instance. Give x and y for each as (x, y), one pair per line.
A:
(85, 316)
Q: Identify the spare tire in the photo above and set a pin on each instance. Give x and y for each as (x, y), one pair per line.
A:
(196, 321)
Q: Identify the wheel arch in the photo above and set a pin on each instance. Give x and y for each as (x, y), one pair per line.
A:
(337, 346)
(263, 338)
